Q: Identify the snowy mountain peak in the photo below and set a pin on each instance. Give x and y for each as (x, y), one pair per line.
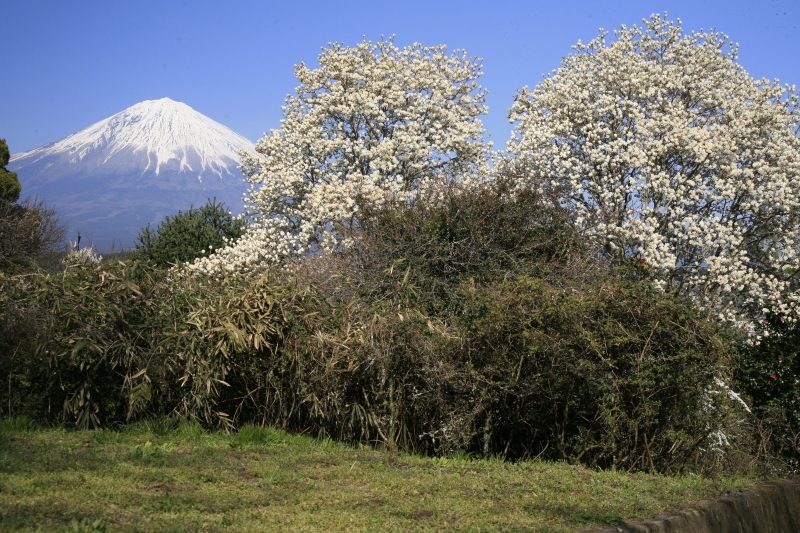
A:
(163, 131)
(134, 168)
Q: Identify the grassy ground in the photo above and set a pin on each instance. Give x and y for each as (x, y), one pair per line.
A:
(161, 476)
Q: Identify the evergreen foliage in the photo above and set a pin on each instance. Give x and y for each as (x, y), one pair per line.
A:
(606, 373)
(486, 325)
(443, 335)
(10, 187)
(769, 372)
(189, 235)
(472, 235)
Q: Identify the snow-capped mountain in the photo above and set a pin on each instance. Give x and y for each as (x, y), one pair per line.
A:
(134, 168)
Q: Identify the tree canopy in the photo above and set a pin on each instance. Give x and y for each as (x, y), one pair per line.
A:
(671, 153)
(372, 124)
(10, 187)
(188, 235)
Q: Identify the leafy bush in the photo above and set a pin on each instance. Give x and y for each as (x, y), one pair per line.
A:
(477, 326)
(97, 345)
(769, 372)
(27, 229)
(481, 325)
(72, 338)
(610, 372)
(473, 235)
(187, 236)
(10, 187)
(607, 372)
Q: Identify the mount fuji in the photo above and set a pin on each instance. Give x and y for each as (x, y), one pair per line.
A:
(151, 160)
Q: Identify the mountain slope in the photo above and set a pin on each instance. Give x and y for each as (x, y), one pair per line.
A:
(134, 168)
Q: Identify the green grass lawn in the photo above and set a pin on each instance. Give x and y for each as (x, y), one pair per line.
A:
(162, 476)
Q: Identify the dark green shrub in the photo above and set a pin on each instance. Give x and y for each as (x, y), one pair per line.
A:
(474, 236)
(10, 187)
(610, 372)
(482, 325)
(769, 373)
(604, 371)
(187, 236)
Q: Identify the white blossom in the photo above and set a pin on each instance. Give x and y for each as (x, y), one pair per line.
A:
(77, 256)
(372, 124)
(671, 152)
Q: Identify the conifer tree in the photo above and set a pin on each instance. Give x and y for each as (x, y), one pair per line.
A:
(10, 187)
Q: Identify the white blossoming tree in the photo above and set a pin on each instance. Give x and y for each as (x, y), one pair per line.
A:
(671, 153)
(373, 123)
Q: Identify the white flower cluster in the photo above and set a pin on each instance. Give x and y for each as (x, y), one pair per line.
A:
(670, 152)
(77, 256)
(373, 124)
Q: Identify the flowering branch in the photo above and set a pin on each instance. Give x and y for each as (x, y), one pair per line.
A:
(668, 150)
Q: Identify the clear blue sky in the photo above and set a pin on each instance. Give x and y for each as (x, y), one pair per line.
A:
(66, 65)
